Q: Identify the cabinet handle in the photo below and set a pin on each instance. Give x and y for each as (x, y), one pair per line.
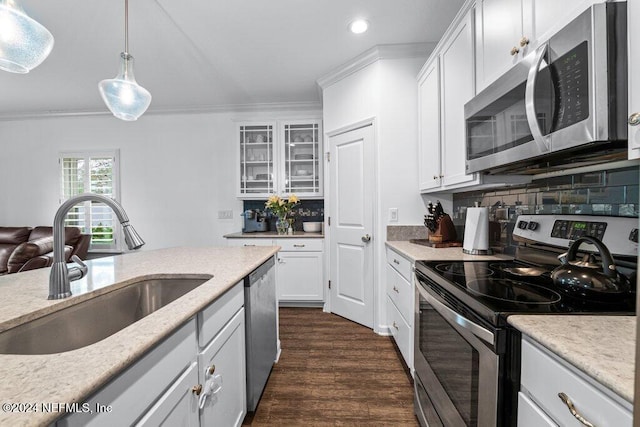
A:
(395, 261)
(441, 176)
(567, 401)
(435, 177)
(395, 326)
(396, 290)
(246, 244)
(211, 369)
(634, 119)
(524, 41)
(299, 246)
(514, 51)
(281, 261)
(196, 389)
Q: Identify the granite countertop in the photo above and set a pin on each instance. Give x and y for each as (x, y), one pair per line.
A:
(419, 252)
(74, 375)
(603, 347)
(273, 234)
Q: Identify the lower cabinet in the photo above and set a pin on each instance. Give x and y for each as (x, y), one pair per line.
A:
(299, 270)
(194, 377)
(545, 376)
(400, 303)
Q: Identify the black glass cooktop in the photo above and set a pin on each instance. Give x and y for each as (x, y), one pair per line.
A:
(495, 290)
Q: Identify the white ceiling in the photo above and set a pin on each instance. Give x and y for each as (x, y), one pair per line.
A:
(204, 54)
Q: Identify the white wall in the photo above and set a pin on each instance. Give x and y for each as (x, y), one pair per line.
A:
(176, 171)
(387, 91)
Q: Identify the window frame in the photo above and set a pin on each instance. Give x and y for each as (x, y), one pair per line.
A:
(87, 155)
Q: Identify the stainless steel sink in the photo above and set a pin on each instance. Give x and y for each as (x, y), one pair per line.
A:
(95, 319)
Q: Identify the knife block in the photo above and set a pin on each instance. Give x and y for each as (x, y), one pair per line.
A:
(446, 231)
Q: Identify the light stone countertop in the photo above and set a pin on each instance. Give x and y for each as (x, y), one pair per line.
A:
(603, 347)
(416, 252)
(74, 375)
(273, 234)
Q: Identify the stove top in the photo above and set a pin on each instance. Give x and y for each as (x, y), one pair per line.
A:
(496, 289)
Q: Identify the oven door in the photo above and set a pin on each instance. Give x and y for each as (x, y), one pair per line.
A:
(456, 367)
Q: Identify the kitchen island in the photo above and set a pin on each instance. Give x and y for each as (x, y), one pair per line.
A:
(73, 376)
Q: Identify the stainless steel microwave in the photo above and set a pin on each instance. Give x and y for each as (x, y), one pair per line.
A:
(565, 103)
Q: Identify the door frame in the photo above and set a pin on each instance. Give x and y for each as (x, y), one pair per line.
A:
(373, 122)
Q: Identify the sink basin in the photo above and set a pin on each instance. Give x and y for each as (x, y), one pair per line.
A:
(97, 318)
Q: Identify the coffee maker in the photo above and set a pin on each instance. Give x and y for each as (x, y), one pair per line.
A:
(254, 220)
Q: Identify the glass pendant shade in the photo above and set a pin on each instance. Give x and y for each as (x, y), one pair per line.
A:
(24, 42)
(126, 99)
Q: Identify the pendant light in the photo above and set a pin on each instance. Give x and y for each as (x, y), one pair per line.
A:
(126, 99)
(24, 42)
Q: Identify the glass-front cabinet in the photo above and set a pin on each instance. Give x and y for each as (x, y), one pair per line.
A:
(301, 157)
(282, 157)
(257, 157)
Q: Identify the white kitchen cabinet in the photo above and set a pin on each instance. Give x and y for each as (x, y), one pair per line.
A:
(162, 387)
(508, 30)
(429, 172)
(633, 17)
(219, 363)
(544, 375)
(400, 303)
(299, 270)
(280, 157)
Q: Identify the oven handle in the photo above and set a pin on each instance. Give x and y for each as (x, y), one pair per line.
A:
(530, 99)
(452, 316)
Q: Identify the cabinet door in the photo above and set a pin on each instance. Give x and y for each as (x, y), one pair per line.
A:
(429, 127)
(178, 406)
(257, 160)
(531, 415)
(223, 363)
(301, 158)
(542, 18)
(498, 30)
(634, 77)
(299, 276)
(457, 89)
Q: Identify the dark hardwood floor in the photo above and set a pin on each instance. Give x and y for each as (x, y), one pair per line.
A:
(333, 372)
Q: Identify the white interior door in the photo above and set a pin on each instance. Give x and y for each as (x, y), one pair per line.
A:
(351, 214)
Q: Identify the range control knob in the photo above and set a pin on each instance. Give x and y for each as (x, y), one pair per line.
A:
(522, 225)
(533, 225)
(633, 236)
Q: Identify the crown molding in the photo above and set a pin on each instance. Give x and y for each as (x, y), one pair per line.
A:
(376, 53)
(199, 109)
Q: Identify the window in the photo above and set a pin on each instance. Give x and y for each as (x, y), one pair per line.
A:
(95, 172)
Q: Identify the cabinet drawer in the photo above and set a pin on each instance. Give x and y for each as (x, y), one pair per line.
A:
(402, 333)
(400, 263)
(213, 318)
(530, 414)
(401, 293)
(300, 245)
(257, 241)
(544, 376)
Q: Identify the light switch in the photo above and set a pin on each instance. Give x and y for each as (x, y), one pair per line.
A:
(393, 214)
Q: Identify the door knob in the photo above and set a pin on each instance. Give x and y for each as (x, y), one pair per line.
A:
(366, 238)
(514, 51)
(634, 119)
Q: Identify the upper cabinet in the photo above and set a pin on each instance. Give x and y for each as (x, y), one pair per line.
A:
(429, 173)
(280, 157)
(508, 30)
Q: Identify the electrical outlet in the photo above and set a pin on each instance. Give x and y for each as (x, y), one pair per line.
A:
(225, 214)
(393, 214)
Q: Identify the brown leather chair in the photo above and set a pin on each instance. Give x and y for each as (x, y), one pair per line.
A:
(19, 253)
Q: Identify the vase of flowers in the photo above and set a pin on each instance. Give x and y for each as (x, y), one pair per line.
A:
(282, 209)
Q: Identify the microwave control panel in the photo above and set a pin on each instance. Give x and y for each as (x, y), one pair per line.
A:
(572, 230)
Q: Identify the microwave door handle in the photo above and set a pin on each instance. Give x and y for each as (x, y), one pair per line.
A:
(458, 319)
(529, 98)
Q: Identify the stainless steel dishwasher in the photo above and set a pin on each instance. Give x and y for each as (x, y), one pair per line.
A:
(261, 329)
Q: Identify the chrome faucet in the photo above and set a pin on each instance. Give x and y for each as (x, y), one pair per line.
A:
(61, 275)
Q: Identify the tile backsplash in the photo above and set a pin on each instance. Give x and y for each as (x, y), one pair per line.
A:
(608, 192)
(307, 210)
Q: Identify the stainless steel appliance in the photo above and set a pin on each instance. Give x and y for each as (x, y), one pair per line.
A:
(254, 220)
(261, 329)
(570, 94)
(467, 358)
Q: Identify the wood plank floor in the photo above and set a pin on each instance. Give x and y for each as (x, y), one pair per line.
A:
(333, 372)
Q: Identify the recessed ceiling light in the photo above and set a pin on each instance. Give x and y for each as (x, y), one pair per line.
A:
(358, 26)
